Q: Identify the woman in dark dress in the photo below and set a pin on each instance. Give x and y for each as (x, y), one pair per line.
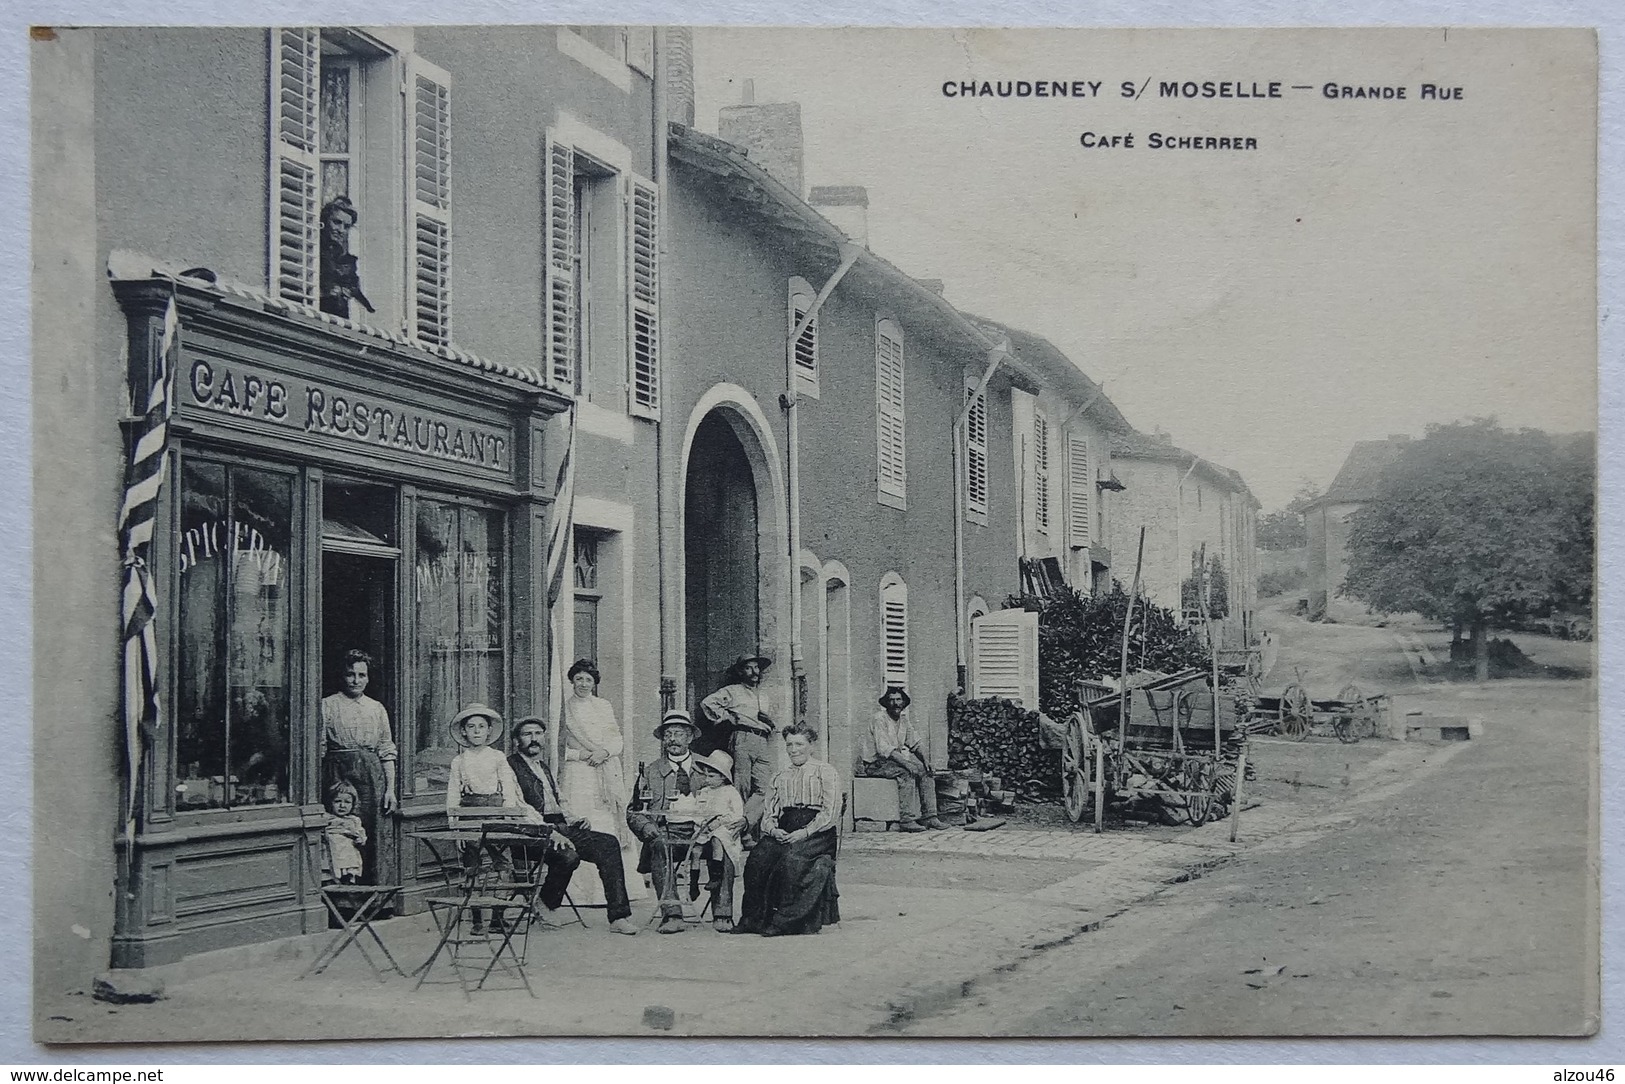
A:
(790, 875)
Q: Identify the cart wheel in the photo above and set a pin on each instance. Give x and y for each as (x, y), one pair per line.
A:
(1295, 712)
(1077, 762)
(1348, 728)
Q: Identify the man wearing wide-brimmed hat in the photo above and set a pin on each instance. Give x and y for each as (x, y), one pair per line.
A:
(741, 721)
(672, 776)
(892, 750)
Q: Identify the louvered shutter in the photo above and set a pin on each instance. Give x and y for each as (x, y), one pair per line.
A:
(1080, 489)
(1004, 657)
(643, 264)
(428, 188)
(806, 346)
(894, 632)
(558, 220)
(1041, 471)
(893, 475)
(976, 453)
(295, 164)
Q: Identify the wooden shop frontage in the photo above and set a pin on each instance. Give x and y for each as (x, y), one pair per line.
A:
(329, 489)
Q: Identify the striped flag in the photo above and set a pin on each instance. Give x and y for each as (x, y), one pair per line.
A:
(143, 481)
(557, 569)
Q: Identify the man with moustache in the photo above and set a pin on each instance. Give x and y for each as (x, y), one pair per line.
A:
(665, 781)
(595, 848)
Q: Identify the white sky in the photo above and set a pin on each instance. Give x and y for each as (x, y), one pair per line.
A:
(1373, 267)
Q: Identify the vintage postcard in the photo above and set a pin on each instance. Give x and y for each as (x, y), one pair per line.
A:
(618, 531)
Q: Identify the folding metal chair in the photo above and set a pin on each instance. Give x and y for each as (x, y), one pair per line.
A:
(354, 907)
(514, 897)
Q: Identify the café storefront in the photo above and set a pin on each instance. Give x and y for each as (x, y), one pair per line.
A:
(328, 490)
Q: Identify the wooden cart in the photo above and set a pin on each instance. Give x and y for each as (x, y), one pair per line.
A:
(1159, 748)
(1350, 716)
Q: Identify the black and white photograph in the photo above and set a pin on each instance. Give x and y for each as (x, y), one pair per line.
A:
(617, 531)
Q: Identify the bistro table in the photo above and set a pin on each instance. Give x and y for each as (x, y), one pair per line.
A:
(472, 887)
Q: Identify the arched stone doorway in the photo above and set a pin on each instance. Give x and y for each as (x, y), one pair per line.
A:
(723, 550)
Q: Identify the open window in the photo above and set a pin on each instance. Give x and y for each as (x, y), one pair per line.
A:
(352, 157)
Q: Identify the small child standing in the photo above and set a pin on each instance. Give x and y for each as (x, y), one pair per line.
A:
(482, 777)
(344, 833)
(719, 823)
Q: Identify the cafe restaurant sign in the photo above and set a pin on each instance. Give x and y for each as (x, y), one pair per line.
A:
(341, 416)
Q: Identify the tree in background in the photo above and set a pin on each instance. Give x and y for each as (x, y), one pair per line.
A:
(1475, 525)
(1284, 529)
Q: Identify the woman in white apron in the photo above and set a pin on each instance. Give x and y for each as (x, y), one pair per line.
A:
(594, 777)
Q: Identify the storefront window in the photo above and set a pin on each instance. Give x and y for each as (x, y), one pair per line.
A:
(459, 590)
(232, 702)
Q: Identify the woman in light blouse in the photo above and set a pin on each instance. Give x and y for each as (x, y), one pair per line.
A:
(790, 875)
(357, 748)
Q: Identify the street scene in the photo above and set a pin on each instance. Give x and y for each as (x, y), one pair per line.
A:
(633, 531)
(1317, 916)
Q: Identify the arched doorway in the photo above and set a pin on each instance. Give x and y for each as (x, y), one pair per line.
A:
(722, 554)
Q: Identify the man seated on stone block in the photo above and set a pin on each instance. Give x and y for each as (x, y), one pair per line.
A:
(892, 750)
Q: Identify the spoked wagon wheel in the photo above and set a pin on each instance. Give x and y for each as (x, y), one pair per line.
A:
(1347, 727)
(1197, 781)
(1077, 764)
(1295, 713)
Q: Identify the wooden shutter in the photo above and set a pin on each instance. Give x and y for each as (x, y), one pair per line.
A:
(894, 631)
(806, 347)
(640, 48)
(643, 266)
(558, 221)
(893, 475)
(1080, 486)
(1004, 657)
(295, 163)
(1041, 471)
(976, 453)
(428, 188)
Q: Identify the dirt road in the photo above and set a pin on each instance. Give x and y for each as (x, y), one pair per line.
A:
(1442, 890)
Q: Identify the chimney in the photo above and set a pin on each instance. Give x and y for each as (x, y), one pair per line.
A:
(1162, 436)
(769, 132)
(679, 69)
(846, 205)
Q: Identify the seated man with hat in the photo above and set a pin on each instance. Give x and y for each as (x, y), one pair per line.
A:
(598, 849)
(740, 721)
(892, 750)
(668, 784)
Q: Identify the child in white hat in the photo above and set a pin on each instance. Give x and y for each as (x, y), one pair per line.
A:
(719, 824)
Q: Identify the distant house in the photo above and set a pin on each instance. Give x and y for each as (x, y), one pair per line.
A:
(1327, 516)
(1187, 505)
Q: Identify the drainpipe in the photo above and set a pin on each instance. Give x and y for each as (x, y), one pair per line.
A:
(996, 354)
(791, 402)
(665, 482)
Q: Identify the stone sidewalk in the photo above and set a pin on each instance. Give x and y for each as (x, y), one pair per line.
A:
(902, 950)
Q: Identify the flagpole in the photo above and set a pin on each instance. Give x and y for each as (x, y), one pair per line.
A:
(146, 467)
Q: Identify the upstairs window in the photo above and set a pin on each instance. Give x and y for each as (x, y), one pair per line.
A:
(976, 455)
(601, 226)
(804, 351)
(341, 187)
(1080, 486)
(1040, 471)
(889, 425)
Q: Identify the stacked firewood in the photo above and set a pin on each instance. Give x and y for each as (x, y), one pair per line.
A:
(1000, 738)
